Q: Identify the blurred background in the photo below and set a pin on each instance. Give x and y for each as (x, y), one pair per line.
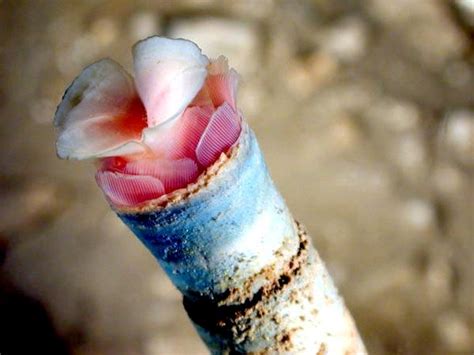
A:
(364, 111)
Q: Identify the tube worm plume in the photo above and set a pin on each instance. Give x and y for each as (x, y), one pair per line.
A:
(184, 172)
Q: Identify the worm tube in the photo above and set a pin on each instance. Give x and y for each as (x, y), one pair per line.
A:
(203, 202)
(251, 280)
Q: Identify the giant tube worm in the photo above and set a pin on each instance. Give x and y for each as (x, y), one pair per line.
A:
(183, 170)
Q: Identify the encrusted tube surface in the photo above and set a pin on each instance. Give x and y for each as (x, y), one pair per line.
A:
(251, 280)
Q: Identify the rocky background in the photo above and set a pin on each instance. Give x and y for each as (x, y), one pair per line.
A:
(365, 113)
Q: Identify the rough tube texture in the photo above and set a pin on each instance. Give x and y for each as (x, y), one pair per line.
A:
(250, 278)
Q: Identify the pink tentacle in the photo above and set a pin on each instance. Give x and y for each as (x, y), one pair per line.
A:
(221, 133)
(180, 140)
(174, 174)
(129, 190)
(220, 86)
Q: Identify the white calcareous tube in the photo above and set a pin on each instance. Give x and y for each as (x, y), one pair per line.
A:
(251, 280)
